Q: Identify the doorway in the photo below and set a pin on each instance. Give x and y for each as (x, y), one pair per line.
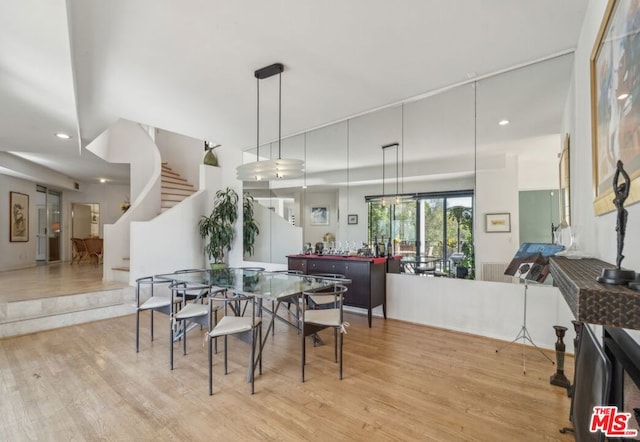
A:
(85, 220)
(49, 206)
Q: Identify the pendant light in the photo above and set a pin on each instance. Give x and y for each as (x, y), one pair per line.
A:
(270, 169)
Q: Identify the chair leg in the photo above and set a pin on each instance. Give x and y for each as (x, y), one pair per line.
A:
(184, 337)
(260, 349)
(151, 325)
(171, 343)
(210, 367)
(335, 344)
(341, 344)
(252, 371)
(137, 330)
(225, 354)
(303, 352)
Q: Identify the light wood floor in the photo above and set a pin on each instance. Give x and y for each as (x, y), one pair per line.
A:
(401, 382)
(53, 279)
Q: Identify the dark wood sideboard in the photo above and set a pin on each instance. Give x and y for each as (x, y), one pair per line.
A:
(368, 288)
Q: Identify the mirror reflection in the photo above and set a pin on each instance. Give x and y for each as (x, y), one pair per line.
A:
(85, 220)
(426, 198)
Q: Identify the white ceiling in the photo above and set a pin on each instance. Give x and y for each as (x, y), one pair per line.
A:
(188, 66)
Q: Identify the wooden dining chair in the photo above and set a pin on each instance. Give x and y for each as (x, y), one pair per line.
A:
(78, 250)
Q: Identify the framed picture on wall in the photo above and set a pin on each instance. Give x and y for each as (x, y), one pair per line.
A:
(615, 101)
(319, 216)
(352, 219)
(497, 222)
(18, 217)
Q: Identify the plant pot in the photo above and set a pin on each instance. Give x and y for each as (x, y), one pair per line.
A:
(217, 265)
(461, 272)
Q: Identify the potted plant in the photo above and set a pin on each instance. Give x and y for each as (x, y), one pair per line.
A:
(249, 226)
(217, 228)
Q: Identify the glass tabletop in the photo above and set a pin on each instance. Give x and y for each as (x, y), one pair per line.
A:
(263, 284)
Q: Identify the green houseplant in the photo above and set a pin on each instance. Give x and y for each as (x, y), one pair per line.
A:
(217, 228)
(249, 226)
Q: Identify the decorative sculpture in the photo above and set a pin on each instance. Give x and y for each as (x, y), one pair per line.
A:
(617, 275)
(621, 192)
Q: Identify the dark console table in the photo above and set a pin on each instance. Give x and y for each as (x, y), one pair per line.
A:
(368, 288)
(591, 301)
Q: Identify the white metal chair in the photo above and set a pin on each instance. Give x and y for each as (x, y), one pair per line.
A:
(237, 325)
(194, 312)
(154, 303)
(312, 321)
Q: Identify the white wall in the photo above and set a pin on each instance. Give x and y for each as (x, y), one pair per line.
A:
(496, 192)
(596, 235)
(183, 154)
(483, 308)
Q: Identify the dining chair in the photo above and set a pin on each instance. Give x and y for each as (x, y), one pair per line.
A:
(250, 326)
(94, 248)
(194, 312)
(320, 299)
(315, 320)
(155, 302)
(79, 250)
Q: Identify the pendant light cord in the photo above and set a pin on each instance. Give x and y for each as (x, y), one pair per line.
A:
(279, 115)
(257, 119)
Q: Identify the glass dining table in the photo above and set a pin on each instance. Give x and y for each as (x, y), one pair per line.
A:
(276, 287)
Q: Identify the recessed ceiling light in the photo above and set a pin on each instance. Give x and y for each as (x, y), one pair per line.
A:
(63, 135)
(623, 96)
(103, 180)
(503, 122)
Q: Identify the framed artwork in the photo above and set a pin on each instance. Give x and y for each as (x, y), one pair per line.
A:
(352, 219)
(319, 216)
(615, 101)
(18, 217)
(565, 184)
(497, 222)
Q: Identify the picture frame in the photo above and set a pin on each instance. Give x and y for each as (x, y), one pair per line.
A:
(352, 219)
(497, 222)
(18, 217)
(615, 102)
(319, 216)
(564, 176)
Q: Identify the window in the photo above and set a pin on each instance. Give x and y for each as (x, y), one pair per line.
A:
(427, 224)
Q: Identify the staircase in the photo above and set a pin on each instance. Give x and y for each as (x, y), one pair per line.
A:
(174, 189)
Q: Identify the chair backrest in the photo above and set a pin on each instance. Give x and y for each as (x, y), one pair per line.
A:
(337, 294)
(93, 245)
(151, 283)
(79, 245)
(189, 291)
(228, 297)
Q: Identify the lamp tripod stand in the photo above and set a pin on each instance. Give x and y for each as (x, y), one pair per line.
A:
(524, 334)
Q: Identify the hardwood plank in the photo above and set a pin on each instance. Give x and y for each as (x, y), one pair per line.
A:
(401, 382)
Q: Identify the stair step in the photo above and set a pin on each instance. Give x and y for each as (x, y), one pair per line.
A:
(183, 192)
(166, 179)
(166, 172)
(121, 269)
(171, 198)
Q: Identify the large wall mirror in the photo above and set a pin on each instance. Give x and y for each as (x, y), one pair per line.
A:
(453, 165)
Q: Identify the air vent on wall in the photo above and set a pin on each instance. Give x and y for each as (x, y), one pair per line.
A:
(76, 186)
